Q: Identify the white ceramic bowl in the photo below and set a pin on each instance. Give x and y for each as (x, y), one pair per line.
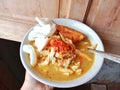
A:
(93, 37)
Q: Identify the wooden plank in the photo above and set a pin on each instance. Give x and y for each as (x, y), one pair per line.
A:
(74, 9)
(17, 16)
(28, 9)
(104, 18)
(13, 30)
(111, 46)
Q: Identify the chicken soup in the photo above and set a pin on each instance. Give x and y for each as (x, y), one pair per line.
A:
(64, 57)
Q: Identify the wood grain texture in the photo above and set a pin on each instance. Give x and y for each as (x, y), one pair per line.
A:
(74, 9)
(13, 30)
(104, 18)
(17, 16)
(28, 9)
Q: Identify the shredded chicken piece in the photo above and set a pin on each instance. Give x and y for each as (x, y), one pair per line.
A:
(66, 40)
(93, 47)
(66, 71)
(83, 55)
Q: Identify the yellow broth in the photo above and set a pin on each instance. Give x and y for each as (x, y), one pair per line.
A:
(52, 72)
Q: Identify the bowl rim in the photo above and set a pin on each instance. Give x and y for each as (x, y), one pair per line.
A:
(67, 84)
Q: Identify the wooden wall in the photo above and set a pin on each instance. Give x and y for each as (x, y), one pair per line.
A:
(17, 16)
(104, 18)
